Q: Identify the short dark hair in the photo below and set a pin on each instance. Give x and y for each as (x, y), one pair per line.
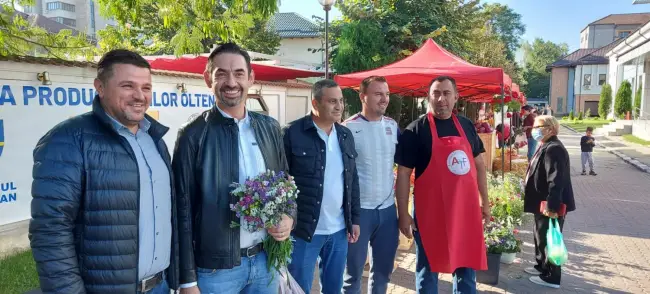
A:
(442, 79)
(118, 56)
(527, 108)
(317, 89)
(590, 129)
(367, 81)
(228, 48)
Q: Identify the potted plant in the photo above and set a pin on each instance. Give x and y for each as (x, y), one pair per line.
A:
(493, 241)
(511, 247)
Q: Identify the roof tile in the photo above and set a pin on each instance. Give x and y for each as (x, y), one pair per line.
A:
(293, 25)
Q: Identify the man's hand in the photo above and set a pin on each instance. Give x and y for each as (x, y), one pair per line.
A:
(190, 290)
(487, 215)
(550, 214)
(282, 231)
(406, 225)
(354, 237)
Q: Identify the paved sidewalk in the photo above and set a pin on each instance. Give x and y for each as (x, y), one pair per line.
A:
(608, 236)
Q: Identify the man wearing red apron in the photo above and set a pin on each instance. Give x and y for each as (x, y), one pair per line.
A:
(450, 195)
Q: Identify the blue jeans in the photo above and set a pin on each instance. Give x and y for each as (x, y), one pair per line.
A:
(251, 276)
(379, 228)
(426, 282)
(330, 251)
(161, 288)
(532, 147)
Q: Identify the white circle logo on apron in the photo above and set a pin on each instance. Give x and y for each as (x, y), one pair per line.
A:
(458, 162)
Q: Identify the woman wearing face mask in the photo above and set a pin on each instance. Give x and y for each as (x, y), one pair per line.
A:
(547, 179)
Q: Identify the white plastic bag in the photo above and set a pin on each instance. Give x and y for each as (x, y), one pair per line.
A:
(288, 284)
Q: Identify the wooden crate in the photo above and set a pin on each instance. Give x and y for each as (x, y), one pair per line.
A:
(490, 144)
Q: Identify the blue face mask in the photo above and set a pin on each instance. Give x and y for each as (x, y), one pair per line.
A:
(537, 134)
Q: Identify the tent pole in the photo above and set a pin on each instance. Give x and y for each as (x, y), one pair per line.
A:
(503, 146)
(511, 130)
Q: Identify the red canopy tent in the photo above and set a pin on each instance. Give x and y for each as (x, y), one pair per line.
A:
(197, 64)
(411, 76)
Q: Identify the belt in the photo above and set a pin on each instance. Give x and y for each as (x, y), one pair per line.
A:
(252, 251)
(150, 282)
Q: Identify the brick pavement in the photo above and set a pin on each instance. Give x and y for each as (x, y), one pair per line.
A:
(608, 236)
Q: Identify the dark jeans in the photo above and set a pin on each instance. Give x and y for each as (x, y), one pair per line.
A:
(161, 288)
(330, 251)
(426, 282)
(379, 228)
(551, 273)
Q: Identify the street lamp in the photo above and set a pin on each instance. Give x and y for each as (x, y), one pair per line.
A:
(327, 5)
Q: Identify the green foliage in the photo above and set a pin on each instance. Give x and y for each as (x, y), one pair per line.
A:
(507, 25)
(506, 198)
(355, 35)
(588, 113)
(580, 115)
(571, 116)
(605, 102)
(20, 36)
(513, 105)
(186, 26)
(637, 101)
(537, 56)
(18, 272)
(623, 102)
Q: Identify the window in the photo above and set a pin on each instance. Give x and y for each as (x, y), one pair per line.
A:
(602, 78)
(560, 104)
(66, 21)
(623, 34)
(29, 9)
(60, 6)
(586, 80)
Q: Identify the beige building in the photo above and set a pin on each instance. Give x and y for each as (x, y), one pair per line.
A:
(611, 28)
(82, 15)
(302, 44)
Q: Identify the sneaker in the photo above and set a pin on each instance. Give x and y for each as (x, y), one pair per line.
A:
(533, 271)
(584, 173)
(592, 173)
(539, 281)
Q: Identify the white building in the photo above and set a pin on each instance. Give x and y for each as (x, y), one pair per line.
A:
(630, 60)
(301, 41)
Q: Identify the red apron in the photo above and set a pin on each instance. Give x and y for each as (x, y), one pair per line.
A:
(447, 205)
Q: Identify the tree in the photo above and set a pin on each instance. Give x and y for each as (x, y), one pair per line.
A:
(506, 24)
(261, 39)
(21, 37)
(623, 102)
(537, 56)
(637, 101)
(605, 103)
(181, 26)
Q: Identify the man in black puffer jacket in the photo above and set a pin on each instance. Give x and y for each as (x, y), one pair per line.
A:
(103, 209)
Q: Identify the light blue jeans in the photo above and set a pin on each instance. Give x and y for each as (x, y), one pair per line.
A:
(330, 251)
(162, 288)
(251, 276)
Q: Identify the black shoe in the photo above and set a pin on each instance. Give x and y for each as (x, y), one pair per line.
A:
(584, 173)
(544, 281)
(592, 173)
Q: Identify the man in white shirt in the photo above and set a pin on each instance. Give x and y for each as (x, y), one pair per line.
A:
(321, 157)
(375, 137)
(223, 145)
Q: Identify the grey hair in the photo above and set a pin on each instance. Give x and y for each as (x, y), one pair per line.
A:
(317, 89)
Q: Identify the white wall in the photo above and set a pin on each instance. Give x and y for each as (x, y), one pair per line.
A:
(594, 70)
(584, 39)
(296, 49)
(29, 109)
(641, 129)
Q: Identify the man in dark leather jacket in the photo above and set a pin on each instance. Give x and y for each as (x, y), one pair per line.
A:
(321, 155)
(103, 207)
(223, 145)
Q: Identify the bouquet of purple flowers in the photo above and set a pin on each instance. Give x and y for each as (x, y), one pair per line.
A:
(261, 202)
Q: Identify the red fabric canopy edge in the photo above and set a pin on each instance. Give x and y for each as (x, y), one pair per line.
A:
(197, 65)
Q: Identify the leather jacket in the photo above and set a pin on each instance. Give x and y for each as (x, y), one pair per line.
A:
(205, 163)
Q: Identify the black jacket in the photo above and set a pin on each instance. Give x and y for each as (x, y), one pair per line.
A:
(206, 162)
(81, 241)
(306, 158)
(549, 179)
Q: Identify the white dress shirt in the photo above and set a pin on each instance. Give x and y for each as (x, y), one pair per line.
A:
(331, 210)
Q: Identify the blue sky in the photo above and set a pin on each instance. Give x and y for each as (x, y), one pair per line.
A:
(559, 21)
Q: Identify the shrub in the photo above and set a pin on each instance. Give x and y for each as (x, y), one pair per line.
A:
(623, 102)
(605, 101)
(501, 239)
(580, 115)
(588, 113)
(565, 118)
(637, 101)
(571, 116)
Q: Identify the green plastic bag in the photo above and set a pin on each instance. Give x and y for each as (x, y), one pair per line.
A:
(556, 252)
